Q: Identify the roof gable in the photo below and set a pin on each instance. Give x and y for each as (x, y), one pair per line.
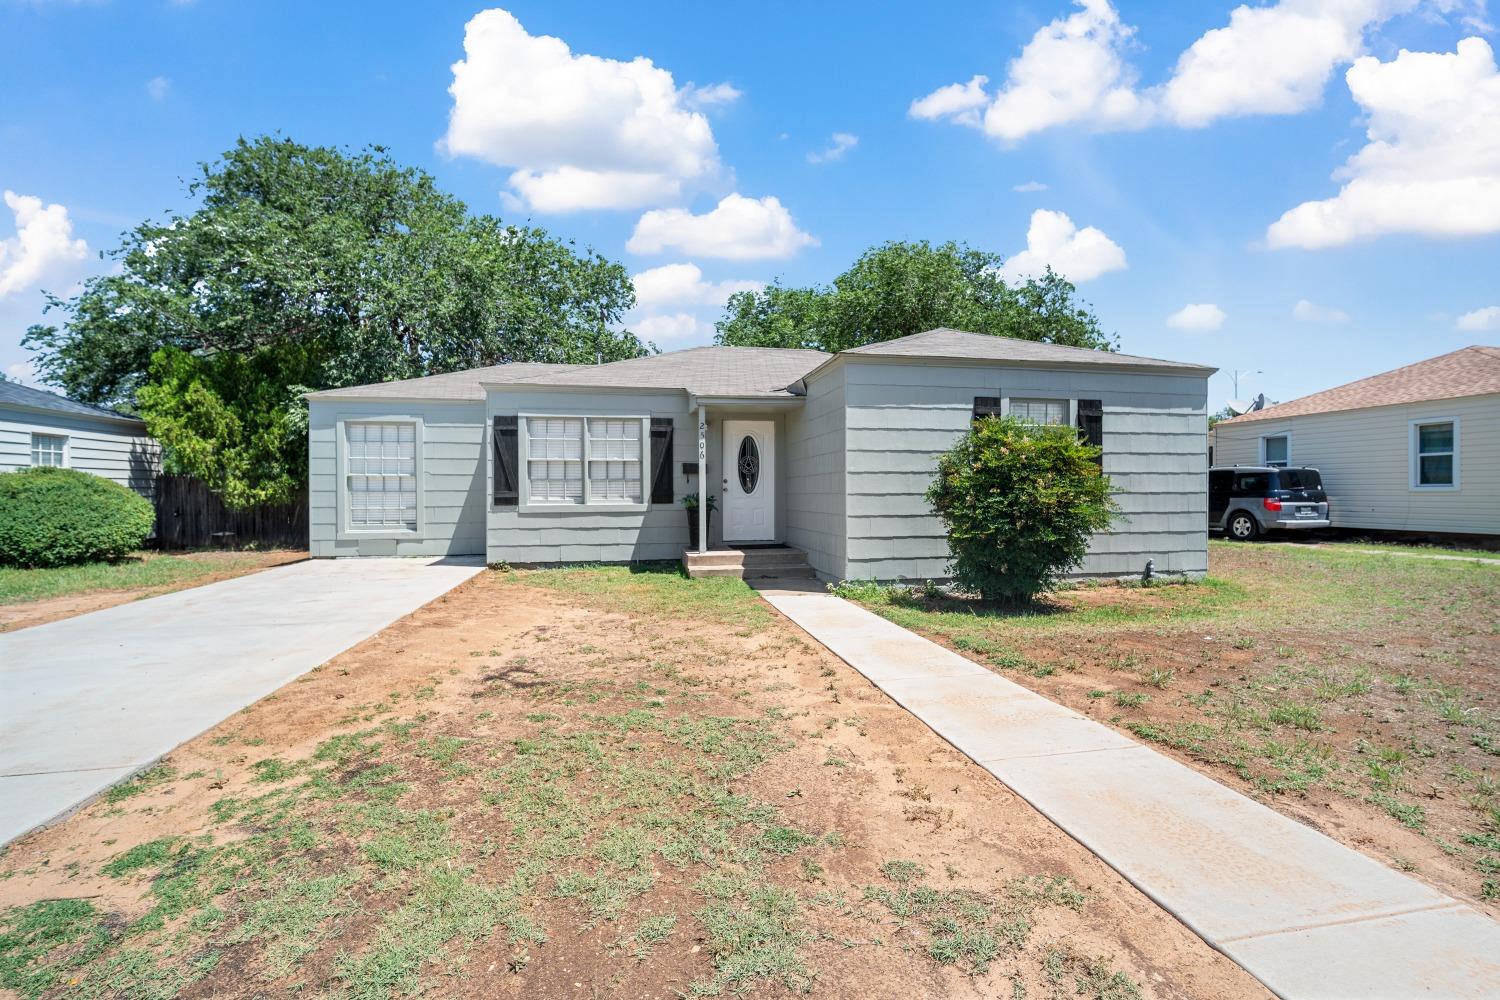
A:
(1469, 371)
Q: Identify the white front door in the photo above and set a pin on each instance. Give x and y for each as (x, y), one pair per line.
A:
(748, 501)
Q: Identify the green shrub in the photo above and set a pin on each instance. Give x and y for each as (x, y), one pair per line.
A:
(58, 517)
(1019, 501)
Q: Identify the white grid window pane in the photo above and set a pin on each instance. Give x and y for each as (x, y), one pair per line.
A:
(554, 460)
(614, 460)
(1041, 411)
(382, 475)
(49, 449)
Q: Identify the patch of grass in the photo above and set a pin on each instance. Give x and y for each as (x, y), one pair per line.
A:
(1130, 699)
(145, 570)
(755, 942)
(1408, 814)
(42, 942)
(654, 589)
(152, 777)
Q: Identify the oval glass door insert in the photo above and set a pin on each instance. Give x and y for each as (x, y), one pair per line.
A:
(749, 464)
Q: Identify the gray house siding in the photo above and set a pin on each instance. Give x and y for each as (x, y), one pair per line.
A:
(452, 473)
(586, 534)
(115, 450)
(814, 482)
(902, 416)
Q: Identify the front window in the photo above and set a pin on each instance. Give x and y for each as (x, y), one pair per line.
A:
(1040, 411)
(572, 461)
(1278, 451)
(382, 476)
(1436, 453)
(49, 449)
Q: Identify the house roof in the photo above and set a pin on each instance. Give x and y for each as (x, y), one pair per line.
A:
(464, 385)
(16, 394)
(703, 371)
(1470, 371)
(956, 344)
(742, 372)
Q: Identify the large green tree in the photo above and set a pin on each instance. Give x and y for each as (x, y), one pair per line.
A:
(311, 268)
(897, 289)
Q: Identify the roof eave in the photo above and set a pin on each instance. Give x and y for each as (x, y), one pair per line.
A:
(1163, 368)
(115, 418)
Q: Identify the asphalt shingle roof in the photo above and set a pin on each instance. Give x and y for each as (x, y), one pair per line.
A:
(946, 343)
(16, 394)
(464, 385)
(1469, 371)
(703, 371)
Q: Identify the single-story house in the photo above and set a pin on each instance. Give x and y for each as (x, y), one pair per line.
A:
(1416, 449)
(43, 428)
(827, 453)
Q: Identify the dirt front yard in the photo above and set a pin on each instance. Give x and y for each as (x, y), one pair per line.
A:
(1356, 691)
(35, 596)
(587, 783)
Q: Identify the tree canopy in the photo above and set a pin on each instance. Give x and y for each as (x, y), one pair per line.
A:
(308, 268)
(900, 288)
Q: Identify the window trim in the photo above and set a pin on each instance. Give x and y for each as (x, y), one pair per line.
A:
(1414, 458)
(67, 450)
(346, 530)
(1278, 434)
(524, 503)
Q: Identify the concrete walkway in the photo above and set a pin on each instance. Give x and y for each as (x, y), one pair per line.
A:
(1305, 915)
(87, 701)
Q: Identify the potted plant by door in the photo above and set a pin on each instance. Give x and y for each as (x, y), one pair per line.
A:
(690, 502)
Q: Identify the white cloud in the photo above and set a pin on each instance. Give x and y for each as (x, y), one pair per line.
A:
(1030, 187)
(1072, 70)
(1432, 164)
(738, 228)
(683, 284)
(1487, 318)
(1052, 240)
(1310, 312)
(584, 132)
(158, 87)
(21, 371)
(961, 102)
(42, 248)
(710, 95)
(1270, 60)
(669, 327)
(838, 144)
(1197, 317)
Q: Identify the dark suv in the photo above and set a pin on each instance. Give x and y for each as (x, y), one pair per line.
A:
(1246, 500)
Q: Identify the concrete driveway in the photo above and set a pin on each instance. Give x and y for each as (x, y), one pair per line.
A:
(88, 701)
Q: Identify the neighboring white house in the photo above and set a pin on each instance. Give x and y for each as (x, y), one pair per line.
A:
(829, 454)
(1415, 449)
(43, 428)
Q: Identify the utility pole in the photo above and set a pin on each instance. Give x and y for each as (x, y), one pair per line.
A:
(599, 338)
(1236, 376)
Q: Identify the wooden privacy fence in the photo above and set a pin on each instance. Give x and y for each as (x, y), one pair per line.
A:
(190, 516)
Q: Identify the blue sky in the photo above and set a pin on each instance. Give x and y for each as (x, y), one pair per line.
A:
(1187, 159)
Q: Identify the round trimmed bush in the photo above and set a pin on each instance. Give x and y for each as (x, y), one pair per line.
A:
(59, 517)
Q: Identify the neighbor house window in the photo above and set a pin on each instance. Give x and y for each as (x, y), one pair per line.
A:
(1276, 450)
(382, 475)
(1434, 445)
(585, 460)
(1040, 411)
(49, 449)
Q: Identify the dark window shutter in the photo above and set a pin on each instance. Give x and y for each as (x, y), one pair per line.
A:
(661, 459)
(507, 462)
(986, 406)
(1091, 423)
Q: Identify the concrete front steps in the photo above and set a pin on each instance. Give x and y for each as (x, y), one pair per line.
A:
(772, 562)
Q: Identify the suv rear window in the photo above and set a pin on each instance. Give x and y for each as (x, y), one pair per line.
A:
(1252, 483)
(1300, 479)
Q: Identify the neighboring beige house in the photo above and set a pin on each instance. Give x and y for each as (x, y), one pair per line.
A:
(43, 428)
(1415, 449)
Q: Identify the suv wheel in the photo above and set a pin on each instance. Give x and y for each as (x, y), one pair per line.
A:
(1242, 526)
